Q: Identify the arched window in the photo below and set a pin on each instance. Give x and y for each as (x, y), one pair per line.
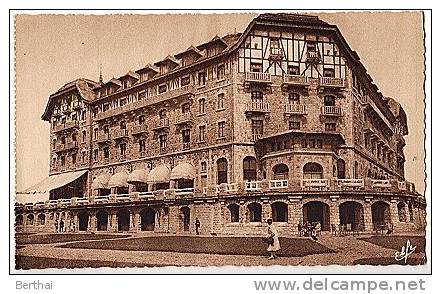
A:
(234, 212)
(41, 219)
(329, 100)
(280, 171)
(84, 136)
(401, 212)
(203, 167)
(19, 220)
(255, 212)
(222, 170)
(312, 170)
(249, 169)
(30, 219)
(280, 212)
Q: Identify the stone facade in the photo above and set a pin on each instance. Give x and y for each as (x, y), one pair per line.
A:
(293, 131)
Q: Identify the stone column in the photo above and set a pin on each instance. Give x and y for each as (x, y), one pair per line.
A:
(242, 212)
(77, 225)
(92, 222)
(113, 223)
(174, 217)
(367, 215)
(266, 209)
(334, 214)
(394, 213)
(294, 213)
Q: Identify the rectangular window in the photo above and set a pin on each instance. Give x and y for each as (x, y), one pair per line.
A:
(221, 129)
(311, 143)
(220, 72)
(319, 143)
(122, 149)
(294, 125)
(83, 156)
(162, 88)
(293, 70)
(257, 127)
(95, 155)
(202, 130)
(330, 127)
(202, 77)
(95, 134)
(142, 145)
(185, 81)
(304, 144)
(201, 106)
(186, 139)
(74, 158)
(63, 161)
(106, 152)
(329, 72)
(220, 101)
(162, 142)
(256, 67)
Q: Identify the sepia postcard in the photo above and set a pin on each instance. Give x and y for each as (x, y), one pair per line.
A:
(152, 140)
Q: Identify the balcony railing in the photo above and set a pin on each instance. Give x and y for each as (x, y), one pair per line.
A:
(253, 186)
(402, 186)
(278, 184)
(66, 109)
(184, 118)
(77, 104)
(185, 90)
(101, 199)
(103, 138)
(162, 123)
(292, 108)
(332, 82)
(351, 183)
(295, 80)
(259, 107)
(186, 146)
(184, 191)
(139, 129)
(66, 126)
(56, 112)
(120, 134)
(257, 77)
(315, 183)
(332, 111)
(122, 197)
(381, 184)
(71, 145)
(255, 137)
(146, 196)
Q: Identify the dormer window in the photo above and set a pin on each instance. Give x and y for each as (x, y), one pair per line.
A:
(125, 84)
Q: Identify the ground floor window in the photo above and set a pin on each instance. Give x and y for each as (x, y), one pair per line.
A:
(255, 212)
(279, 212)
(234, 213)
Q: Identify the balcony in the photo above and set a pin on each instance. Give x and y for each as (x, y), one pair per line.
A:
(162, 123)
(332, 82)
(255, 137)
(298, 109)
(350, 183)
(254, 186)
(257, 77)
(184, 118)
(382, 184)
(180, 92)
(101, 199)
(184, 191)
(278, 184)
(186, 146)
(120, 134)
(145, 196)
(332, 111)
(103, 138)
(139, 129)
(257, 107)
(402, 186)
(71, 145)
(295, 80)
(68, 125)
(315, 184)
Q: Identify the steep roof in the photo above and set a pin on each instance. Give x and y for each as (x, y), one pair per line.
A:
(188, 51)
(167, 59)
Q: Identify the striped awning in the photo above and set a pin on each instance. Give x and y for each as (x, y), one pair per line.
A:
(160, 174)
(183, 170)
(40, 191)
(119, 180)
(138, 176)
(101, 181)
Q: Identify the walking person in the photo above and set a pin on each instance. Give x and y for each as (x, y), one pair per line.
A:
(273, 239)
(56, 226)
(197, 224)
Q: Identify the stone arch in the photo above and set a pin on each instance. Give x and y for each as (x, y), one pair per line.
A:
(102, 220)
(279, 211)
(351, 215)
(30, 219)
(312, 170)
(380, 213)
(19, 220)
(123, 216)
(83, 221)
(317, 211)
(254, 210)
(402, 215)
(185, 218)
(249, 167)
(234, 209)
(147, 216)
(41, 219)
(280, 171)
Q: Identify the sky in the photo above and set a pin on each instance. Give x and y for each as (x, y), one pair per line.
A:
(52, 50)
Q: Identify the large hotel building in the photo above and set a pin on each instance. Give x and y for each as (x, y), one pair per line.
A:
(281, 121)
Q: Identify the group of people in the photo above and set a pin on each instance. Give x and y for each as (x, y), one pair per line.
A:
(61, 228)
(309, 229)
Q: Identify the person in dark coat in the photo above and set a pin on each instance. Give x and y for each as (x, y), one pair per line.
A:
(197, 224)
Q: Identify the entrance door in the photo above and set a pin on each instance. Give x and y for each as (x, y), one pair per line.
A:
(102, 217)
(83, 221)
(147, 219)
(351, 215)
(317, 211)
(185, 211)
(123, 220)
